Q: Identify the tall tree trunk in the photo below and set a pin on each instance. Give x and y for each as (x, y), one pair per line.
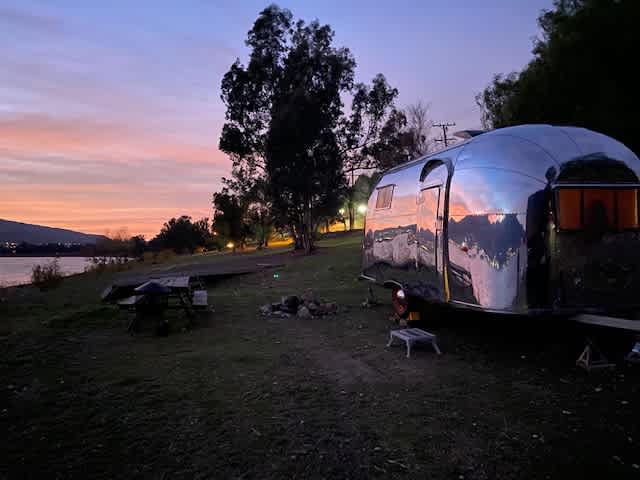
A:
(351, 211)
(296, 233)
(307, 229)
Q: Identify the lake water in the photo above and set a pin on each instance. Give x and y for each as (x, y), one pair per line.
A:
(17, 270)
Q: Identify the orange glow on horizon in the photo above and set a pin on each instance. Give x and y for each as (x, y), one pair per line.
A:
(96, 178)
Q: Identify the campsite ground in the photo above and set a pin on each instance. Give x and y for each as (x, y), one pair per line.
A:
(245, 396)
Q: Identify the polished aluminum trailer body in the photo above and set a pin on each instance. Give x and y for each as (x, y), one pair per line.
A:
(528, 219)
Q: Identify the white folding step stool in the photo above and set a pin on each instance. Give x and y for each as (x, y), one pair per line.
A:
(413, 335)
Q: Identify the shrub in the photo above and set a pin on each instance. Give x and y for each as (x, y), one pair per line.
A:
(47, 276)
(158, 256)
(164, 255)
(100, 264)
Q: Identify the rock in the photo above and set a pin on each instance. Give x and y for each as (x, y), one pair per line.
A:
(266, 309)
(327, 308)
(290, 304)
(309, 297)
(303, 312)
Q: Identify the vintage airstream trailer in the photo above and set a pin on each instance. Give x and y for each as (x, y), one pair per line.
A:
(533, 219)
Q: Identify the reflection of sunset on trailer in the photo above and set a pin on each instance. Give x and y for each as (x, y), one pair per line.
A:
(526, 220)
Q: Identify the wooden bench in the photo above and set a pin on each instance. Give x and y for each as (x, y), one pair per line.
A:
(130, 303)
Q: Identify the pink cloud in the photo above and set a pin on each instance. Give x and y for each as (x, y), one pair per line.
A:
(94, 176)
(98, 133)
(37, 134)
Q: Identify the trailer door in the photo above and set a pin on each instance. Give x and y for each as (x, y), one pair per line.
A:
(428, 228)
(429, 231)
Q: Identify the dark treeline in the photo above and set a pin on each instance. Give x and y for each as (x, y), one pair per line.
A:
(46, 250)
(183, 235)
(180, 235)
(107, 247)
(580, 74)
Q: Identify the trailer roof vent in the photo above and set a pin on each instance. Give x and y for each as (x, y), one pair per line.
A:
(467, 134)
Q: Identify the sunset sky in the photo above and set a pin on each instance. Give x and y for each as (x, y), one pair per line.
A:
(110, 111)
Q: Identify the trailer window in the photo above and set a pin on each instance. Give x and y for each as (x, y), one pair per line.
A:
(603, 208)
(383, 200)
(569, 209)
(627, 208)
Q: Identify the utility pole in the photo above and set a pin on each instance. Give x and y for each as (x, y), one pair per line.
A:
(444, 137)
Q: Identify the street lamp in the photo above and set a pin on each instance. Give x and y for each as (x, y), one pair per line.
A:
(361, 209)
(344, 222)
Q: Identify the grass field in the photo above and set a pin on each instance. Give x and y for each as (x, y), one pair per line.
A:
(245, 396)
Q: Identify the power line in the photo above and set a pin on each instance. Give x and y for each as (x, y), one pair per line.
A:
(445, 127)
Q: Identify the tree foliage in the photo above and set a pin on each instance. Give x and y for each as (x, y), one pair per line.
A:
(183, 235)
(579, 74)
(229, 218)
(285, 129)
(302, 155)
(404, 136)
(419, 125)
(360, 131)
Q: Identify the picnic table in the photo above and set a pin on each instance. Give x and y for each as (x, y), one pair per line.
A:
(154, 296)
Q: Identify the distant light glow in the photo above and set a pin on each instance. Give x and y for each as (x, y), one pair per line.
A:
(230, 245)
(362, 208)
(341, 211)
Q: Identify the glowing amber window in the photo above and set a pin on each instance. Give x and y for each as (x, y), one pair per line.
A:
(627, 208)
(608, 208)
(598, 207)
(570, 209)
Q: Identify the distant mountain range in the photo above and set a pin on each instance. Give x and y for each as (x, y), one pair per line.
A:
(36, 234)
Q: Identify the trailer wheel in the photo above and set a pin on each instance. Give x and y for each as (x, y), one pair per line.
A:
(400, 302)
